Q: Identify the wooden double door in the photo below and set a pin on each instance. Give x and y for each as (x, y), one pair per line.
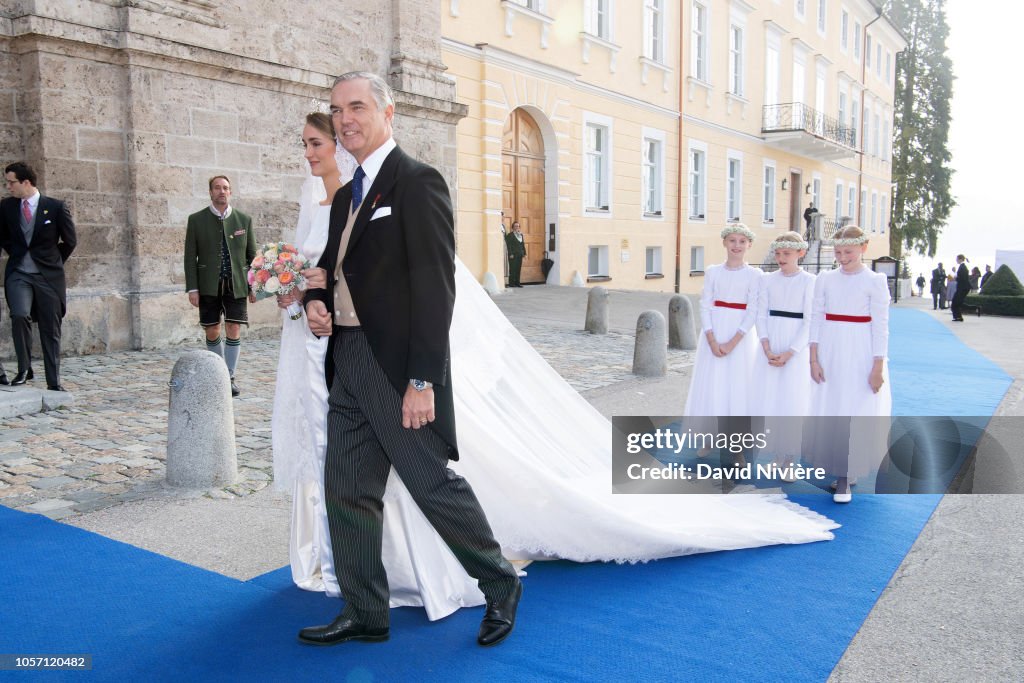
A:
(522, 188)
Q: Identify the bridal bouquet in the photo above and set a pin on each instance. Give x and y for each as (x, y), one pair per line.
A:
(277, 269)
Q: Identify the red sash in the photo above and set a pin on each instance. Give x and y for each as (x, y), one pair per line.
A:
(848, 318)
(729, 304)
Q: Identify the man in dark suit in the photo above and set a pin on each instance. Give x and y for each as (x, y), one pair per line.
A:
(963, 288)
(938, 288)
(384, 291)
(38, 235)
(516, 249)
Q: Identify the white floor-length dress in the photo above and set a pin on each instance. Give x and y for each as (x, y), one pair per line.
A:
(846, 352)
(721, 386)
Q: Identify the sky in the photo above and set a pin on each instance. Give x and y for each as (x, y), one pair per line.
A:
(986, 139)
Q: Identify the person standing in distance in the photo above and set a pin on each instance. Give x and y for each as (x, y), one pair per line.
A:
(384, 291)
(516, 249)
(38, 235)
(219, 246)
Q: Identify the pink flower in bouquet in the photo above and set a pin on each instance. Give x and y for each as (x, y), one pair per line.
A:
(252, 278)
(278, 267)
(262, 276)
(258, 262)
(284, 256)
(286, 278)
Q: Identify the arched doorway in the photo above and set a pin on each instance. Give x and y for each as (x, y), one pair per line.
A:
(522, 188)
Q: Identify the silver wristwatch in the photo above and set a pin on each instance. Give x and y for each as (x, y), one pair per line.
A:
(420, 385)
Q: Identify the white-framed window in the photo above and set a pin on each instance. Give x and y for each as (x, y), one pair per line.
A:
(852, 205)
(599, 18)
(883, 215)
(874, 212)
(855, 120)
(888, 67)
(696, 259)
(597, 261)
(768, 193)
(844, 30)
(816, 191)
(862, 219)
(597, 163)
(842, 108)
(800, 6)
(877, 134)
(867, 51)
(733, 187)
(856, 41)
(699, 42)
(822, 16)
(839, 200)
(653, 180)
(529, 4)
(654, 28)
(771, 75)
(878, 59)
(886, 139)
(652, 261)
(736, 60)
(698, 154)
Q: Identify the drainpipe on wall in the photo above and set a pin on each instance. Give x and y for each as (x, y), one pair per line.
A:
(863, 124)
(679, 170)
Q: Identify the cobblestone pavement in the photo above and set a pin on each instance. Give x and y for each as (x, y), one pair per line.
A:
(110, 446)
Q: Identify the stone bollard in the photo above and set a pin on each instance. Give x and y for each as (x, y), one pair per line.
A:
(491, 284)
(682, 334)
(597, 311)
(200, 423)
(650, 354)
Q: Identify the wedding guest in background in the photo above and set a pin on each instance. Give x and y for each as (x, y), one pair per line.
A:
(975, 278)
(38, 235)
(219, 246)
(938, 288)
(920, 285)
(985, 277)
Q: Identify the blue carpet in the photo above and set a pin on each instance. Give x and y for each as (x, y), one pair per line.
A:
(778, 613)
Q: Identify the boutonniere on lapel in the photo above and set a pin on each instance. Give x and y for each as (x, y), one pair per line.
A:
(374, 205)
(46, 211)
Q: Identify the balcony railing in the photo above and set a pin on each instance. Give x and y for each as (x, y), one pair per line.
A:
(798, 117)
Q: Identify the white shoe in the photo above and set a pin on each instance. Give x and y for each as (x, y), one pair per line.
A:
(835, 484)
(842, 497)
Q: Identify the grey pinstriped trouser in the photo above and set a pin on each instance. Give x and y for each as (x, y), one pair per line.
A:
(365, 438)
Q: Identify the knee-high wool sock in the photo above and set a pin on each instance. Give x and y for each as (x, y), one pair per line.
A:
(232, 347)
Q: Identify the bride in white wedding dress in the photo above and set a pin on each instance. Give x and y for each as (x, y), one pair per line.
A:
(546, 490)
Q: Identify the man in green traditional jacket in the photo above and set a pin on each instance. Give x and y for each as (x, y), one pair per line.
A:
(219, 246)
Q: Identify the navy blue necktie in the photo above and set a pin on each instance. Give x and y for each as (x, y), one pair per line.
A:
(357, 187)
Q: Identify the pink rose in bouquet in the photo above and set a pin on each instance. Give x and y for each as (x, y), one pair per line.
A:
(277, 269)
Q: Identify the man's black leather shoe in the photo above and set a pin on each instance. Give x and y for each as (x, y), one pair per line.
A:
(3, 380)
(499, 618)
(55, 387)
(340, 630)
(235, 391)
(22, 377)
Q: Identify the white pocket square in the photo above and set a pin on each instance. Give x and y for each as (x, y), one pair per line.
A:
(47, 222)
(381, 212)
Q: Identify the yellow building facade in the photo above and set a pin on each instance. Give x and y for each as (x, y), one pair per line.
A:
(785, 103)
(572, 130)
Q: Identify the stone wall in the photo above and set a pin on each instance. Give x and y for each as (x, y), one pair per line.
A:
(127, 108)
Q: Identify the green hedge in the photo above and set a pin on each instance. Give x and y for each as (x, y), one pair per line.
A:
(996, 304)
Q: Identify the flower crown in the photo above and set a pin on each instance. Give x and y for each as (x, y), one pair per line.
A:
(737, 228)
(787, 244)
(850, 241)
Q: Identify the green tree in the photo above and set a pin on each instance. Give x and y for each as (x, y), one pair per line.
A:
(921, 172)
